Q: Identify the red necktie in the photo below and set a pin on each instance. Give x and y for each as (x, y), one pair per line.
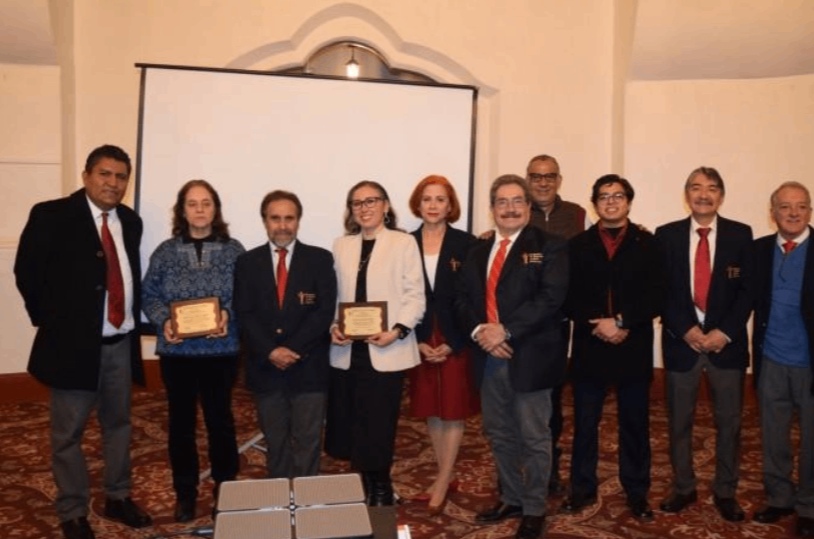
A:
(703, 270)
(114, 281)
(789, 246)
(282, 275)
(491, 282)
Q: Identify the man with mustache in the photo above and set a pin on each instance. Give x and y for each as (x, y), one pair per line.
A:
(509, 300)
(784, 358)
(285, 295)
(552, 214)
(709, 299)
(78, 271)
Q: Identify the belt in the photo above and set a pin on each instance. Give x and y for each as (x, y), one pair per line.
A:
(113, 339)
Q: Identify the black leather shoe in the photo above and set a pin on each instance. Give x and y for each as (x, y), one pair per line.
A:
(805, 527)
(730, 509)
(184, 510)
(381, 493)
(771, 514)
(677, 502)
(77, 528)
(127, 512)
(640, 509)
(575, 503)
(499, 512)
(530, 527)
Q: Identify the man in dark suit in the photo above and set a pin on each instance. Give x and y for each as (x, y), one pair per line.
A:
(615, 291)
(285, 297)
(78, 271)
(509, 301)
(709, 299)
(783, 344)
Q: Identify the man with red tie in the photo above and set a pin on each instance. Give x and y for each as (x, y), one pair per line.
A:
(509, 300)
(285, 297)
(783, 344)
(78, 271)
(709, 299)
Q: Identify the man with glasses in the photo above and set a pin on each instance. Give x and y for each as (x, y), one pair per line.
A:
(509, 300)
(784, 358)
(552, 214)
(708, 260)
(615, 291)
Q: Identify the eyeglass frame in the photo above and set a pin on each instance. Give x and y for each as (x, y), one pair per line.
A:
(368, 203)
(604, 198)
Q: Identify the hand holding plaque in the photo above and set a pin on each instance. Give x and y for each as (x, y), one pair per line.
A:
(195, 317)
(360, 320)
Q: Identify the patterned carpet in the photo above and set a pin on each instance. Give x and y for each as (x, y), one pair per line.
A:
(27, 490)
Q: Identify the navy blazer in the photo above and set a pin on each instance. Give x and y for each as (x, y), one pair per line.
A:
(302, 324)
(765, 248)
(441, 298)
(635, 280)
(730, 294)
(530, 294)
(60, 271)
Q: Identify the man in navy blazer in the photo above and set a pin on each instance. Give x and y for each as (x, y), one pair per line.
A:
(705, 332)
(88, 358)
(287, 345)
(783, 344)
(519, 358)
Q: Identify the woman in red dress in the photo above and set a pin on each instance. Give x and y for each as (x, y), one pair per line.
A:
(441, 387)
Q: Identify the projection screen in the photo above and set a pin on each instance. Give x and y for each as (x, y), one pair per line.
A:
(248, 133)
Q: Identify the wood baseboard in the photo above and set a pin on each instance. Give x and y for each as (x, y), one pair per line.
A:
(21, 386)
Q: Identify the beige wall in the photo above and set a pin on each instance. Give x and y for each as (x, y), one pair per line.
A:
(552, 76)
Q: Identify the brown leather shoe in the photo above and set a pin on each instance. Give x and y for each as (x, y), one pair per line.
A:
(77, 528)
(127, 512)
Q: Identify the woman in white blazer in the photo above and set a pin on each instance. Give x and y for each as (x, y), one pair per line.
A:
(374, 261)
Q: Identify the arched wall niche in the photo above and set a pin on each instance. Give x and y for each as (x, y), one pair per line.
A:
(348, 22)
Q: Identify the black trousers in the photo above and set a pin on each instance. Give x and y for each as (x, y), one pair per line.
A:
(210, 380)
(362, 416)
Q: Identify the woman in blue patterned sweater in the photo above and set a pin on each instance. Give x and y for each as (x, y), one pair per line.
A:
(197, 262)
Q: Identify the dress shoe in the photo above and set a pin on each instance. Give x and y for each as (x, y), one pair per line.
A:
(127, 512)
(730, 509)
(577, 502)
(640, 509)
(677, 502)
(530, 527)
(184, 510)
(771, 514)
(499, 512)
(77, 528)
(805, 527)
(381, 493)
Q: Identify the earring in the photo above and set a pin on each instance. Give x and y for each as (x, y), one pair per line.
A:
(386, 218)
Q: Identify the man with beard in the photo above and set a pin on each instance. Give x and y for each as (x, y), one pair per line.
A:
(552, 214)
(285, 294)
(509, 300)
(709, 299)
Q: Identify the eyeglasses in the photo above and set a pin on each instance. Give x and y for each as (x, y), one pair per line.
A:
(503, 203)
(604, 198)
(548, 177)
(369, 202)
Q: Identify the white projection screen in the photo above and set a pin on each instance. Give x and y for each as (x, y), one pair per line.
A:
(248, 133)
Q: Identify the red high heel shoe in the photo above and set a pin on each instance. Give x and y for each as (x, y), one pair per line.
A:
(425, 496)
